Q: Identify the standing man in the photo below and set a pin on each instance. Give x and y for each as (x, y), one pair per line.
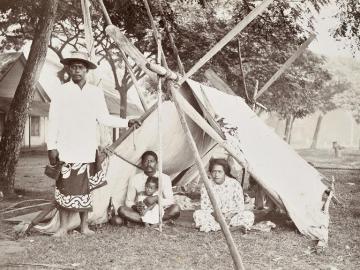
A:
(72, 139)
(137, 184)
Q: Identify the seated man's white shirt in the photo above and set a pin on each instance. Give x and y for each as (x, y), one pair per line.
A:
(73, 116)
(137, 185)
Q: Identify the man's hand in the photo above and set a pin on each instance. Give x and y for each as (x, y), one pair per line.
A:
(134, 122)
(151, 200)
(53, 156)
(140, 208)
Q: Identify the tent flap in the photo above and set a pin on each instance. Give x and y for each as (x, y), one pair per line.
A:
(290, 180)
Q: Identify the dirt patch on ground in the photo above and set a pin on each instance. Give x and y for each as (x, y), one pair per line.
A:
(10, 250)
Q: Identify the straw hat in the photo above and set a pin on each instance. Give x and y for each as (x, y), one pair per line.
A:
(79, 56)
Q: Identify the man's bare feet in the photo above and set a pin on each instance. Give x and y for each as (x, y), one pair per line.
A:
(60, 233)
(87, 231)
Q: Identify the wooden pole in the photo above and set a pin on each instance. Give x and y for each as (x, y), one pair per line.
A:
(106, 14)
(227, 38)
(218, 83)
(219, 216)
(129, 48)
(85, 7)
(199, 120)
(162, 71)
(242, 72)
(155, 32)
(171, 39)
(133, 78)
(160, 58)
(160, 159)
(286, 65)
(254, 95)
(132, 75)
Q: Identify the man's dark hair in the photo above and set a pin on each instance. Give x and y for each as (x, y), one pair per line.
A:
(222, 162)
(149, 153)
(152, 180)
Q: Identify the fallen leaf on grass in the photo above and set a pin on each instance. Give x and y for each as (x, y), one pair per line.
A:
(276, 259)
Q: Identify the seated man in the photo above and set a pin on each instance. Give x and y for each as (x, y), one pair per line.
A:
(137, 185)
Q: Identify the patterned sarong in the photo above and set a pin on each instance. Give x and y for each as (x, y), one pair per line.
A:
(77, 180)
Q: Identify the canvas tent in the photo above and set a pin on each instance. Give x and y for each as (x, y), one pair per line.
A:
(295, 185)
(292, 183)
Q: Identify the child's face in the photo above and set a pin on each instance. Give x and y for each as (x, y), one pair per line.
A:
(150, 189)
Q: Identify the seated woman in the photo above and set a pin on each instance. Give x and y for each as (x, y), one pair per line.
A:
(230, 199)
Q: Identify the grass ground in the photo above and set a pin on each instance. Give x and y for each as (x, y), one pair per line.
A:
(185, 248)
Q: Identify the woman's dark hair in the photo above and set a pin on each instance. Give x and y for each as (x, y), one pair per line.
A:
(222, 162)
(152, 180)
(149, 153)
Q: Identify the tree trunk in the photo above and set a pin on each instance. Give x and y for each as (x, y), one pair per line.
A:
(123, 102)
(19, 109)
(317, 131)
(291, 128)
(287, 128)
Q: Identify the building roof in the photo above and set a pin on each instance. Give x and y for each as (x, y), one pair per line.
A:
(7, 60)
(37, 108)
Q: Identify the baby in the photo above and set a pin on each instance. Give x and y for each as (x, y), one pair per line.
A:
(149, 214)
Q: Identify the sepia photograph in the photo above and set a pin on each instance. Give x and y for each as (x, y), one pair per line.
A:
(180, 134)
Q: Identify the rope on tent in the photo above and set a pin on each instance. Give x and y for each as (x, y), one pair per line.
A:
(107, 149)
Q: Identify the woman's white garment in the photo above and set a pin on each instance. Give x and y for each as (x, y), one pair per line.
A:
(230, 198)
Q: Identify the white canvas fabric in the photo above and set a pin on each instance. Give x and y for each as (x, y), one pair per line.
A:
(295, 184)
(177, 157)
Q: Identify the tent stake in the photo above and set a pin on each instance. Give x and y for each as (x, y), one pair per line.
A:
(219, 216)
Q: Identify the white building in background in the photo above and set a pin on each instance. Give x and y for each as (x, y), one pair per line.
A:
(11, 69)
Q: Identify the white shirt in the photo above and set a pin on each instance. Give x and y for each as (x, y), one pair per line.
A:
(73, 117)
(137, 185)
